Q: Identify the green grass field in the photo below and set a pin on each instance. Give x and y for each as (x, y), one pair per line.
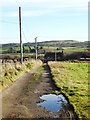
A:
(65, 49)
(74, 49)
(47, 48)
(72, 78)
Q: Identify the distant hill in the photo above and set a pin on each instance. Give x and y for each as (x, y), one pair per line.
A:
(9, 45)
(62, 43)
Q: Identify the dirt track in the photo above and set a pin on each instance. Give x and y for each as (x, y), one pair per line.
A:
(19, 100)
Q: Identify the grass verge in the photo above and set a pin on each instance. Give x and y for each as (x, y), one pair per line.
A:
(12, 71)
(72, 78)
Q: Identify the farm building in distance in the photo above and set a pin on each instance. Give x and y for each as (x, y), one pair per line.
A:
(52, 56)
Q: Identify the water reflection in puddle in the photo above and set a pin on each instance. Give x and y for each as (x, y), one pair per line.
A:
(52, 102)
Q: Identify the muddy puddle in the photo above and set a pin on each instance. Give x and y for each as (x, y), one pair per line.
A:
(52, 102)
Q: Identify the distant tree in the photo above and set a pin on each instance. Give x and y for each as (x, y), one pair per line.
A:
(26, 49)
(37, 48)
(41, 47)
(29, 48)
(23, 49)
(32, 51)
(18, 51)
(57, 48)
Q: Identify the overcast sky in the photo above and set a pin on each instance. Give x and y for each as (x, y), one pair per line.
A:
(45, 19)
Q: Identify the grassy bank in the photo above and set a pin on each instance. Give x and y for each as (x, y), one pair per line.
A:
(72, 78)
(38, 74)
(11, 71)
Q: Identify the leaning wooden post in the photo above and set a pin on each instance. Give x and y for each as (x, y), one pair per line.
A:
(21, 44)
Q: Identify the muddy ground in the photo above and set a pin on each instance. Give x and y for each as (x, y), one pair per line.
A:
(19, 100)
